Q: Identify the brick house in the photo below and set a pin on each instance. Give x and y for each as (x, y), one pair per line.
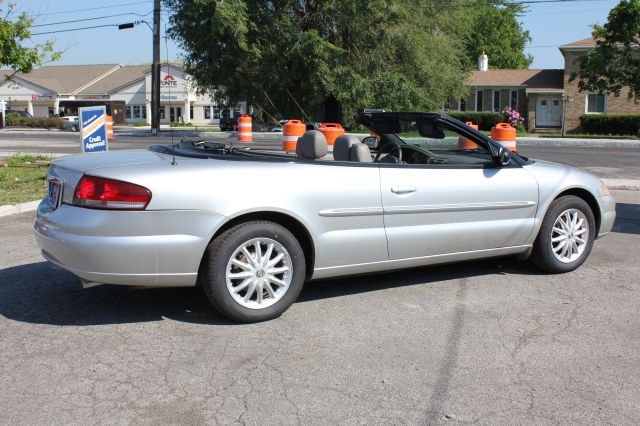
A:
(544, 96)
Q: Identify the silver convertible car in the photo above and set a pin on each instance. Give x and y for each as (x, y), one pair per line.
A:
(251, 227)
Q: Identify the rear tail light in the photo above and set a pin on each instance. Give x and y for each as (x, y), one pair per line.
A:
(101, 193)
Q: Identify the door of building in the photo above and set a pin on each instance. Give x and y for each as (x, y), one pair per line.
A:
(548, 112)
(175, 113)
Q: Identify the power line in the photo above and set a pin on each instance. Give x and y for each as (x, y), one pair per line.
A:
(75, 29)
(92, 19)
(95, 8)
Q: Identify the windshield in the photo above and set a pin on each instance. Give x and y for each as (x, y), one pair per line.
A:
(440, 141)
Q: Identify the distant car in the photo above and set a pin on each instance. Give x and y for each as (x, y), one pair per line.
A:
(71, 123)
(15, 111)
(280, 126)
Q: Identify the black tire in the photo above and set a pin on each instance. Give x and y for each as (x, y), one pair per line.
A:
(218, 255)
(543, 254)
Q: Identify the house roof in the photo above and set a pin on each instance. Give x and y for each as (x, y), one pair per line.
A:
(123, 76)
(64, 79)
(586, 42)
(548, 79)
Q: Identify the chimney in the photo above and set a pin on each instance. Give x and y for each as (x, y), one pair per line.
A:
(483, 62)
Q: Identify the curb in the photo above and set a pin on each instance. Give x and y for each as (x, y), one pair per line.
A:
(9, 210)
(612, 184)
(622, 184)
(594, 143)
(193, 134)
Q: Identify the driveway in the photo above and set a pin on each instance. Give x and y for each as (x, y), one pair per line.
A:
(488, 342)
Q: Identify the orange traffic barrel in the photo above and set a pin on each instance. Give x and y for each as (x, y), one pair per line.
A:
(505, 134)
(291, 131)
(464, 143)
(244, 128)
(331, 131)
(109, 127)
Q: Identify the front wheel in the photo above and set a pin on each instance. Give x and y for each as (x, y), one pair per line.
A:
(566, 235)
(253, 271)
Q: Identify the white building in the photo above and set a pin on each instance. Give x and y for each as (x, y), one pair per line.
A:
(125, 89)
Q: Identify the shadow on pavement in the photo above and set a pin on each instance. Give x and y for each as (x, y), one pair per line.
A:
(627, 218)
(42, 293)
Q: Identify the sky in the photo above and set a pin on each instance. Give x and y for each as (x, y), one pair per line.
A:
(550, 25)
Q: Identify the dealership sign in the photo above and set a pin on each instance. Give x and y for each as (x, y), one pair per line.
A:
(169, 81)
(93, 128)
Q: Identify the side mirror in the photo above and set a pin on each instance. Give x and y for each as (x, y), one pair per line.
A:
(504, 156)
(372, 142)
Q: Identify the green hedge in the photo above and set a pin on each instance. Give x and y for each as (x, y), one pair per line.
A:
(16, 120)
(484, 120)
(610, 124)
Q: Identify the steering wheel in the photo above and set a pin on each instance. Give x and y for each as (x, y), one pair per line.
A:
(390, 147)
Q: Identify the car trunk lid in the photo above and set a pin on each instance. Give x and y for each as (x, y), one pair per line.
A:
(70, 169)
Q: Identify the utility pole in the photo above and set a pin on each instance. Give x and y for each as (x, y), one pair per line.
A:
(155, 71)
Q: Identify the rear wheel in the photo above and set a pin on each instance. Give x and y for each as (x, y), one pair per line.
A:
(253, 271)
(566, 236)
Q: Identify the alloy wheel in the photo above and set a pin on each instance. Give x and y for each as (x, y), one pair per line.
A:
(259, 273)
(569, 235)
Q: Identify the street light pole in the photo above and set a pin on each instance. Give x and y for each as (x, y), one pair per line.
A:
(155, 71)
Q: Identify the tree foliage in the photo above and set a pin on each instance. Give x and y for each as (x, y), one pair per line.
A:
(17, 51)
(614, 64)
(398, 54)
(497, 32)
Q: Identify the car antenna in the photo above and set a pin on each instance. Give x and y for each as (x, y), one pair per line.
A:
(173, 146)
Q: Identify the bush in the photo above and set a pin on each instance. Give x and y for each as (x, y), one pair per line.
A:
(610, 124)
(484, 120)
(16, 120)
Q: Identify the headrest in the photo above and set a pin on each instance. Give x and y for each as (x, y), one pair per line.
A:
(361, 153)
(341, 147)
(312, 145)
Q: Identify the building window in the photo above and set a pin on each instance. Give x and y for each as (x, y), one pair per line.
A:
(144, 111)
(463, 105)
(207, 112)
(136, 112)
(596, 103)
(513, 100)
(216, 113)
(162, 112)
(479, 96)
(127, 112)
(191, 112)
(496, 101)
(447, 105)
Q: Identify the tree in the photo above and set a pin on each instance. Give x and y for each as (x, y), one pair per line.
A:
(361, 53)
(398, 54)
(497, 32)
(614, 64)
(15, 34)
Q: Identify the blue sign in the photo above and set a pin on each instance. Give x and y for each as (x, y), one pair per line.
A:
(93, 129)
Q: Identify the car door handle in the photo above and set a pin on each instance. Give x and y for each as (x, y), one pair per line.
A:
(403, 189)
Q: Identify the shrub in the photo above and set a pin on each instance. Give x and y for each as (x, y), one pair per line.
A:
(610, 124)
(16, 120)
(484, 120)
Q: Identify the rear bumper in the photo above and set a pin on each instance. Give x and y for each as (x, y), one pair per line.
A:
(607, 214)
(142, 248)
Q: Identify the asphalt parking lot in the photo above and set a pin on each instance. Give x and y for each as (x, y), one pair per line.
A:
(488, 342)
